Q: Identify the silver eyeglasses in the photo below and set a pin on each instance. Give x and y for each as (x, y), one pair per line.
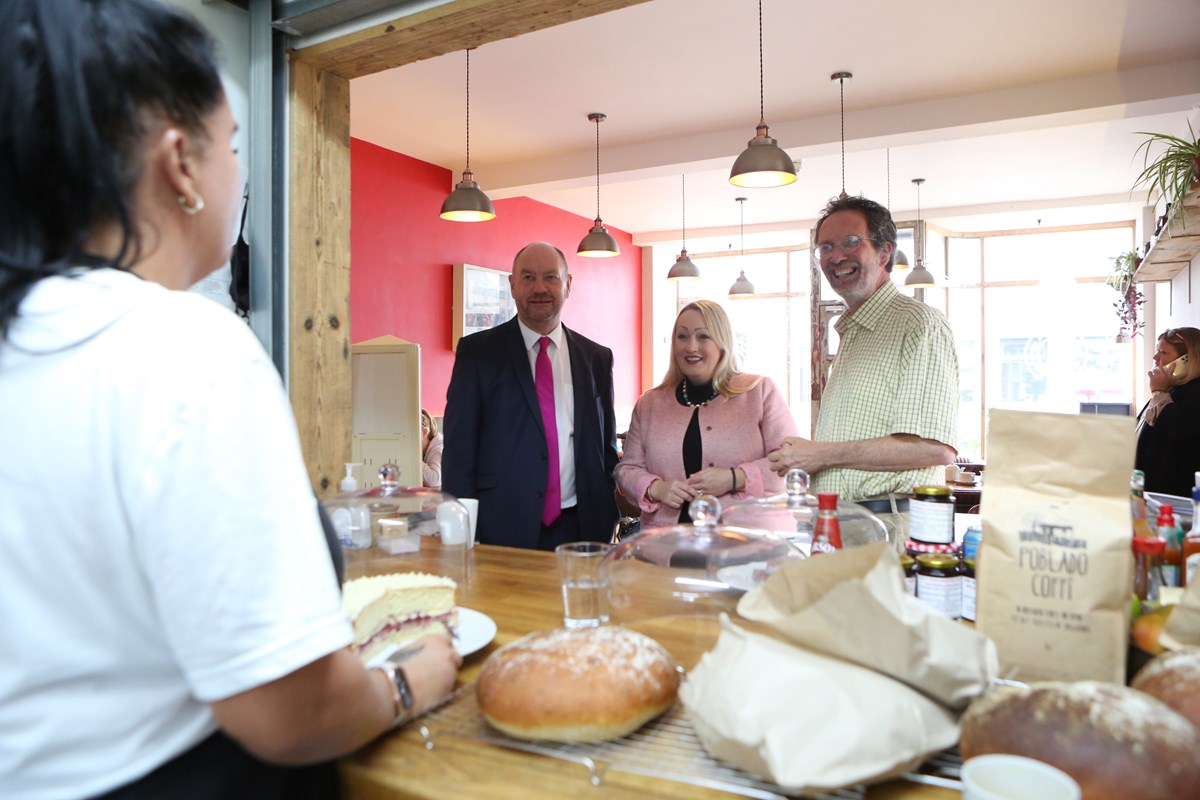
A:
(849, 245)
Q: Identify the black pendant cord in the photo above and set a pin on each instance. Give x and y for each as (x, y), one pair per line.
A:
(468, 109)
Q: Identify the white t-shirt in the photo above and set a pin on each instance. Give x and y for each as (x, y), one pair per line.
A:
(159, 542)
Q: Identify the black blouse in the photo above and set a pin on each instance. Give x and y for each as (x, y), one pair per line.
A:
(688, 394)
(1169, 450)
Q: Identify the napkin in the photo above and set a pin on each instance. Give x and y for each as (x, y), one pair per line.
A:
(852, 605)
(807, 721)
(1182, 629)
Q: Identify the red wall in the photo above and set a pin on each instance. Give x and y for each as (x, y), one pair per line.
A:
(402, 277)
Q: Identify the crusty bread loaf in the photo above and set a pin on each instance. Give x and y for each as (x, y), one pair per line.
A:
(1174, 678)
(586, 685)
(1117, 743)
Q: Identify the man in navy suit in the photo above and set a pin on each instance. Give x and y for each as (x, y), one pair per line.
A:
(496, 448)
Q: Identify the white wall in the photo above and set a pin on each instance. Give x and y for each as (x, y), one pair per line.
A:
(1183, 307)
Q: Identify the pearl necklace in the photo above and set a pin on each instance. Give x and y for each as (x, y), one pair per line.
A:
(688, 402)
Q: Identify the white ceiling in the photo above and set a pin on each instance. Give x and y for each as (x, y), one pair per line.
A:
(1014, 111)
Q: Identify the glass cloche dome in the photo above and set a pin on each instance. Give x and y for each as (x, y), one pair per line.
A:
(688, 569)
(793, 514)
(391, 528)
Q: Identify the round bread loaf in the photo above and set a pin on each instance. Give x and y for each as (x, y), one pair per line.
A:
(1117, 743)
(586, 685)
(1174, 678)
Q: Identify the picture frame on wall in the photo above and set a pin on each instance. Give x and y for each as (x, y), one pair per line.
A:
(482, 300)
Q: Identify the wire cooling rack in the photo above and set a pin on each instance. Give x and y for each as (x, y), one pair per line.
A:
(664, 748)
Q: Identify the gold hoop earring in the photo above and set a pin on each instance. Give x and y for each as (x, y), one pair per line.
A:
(191, 210)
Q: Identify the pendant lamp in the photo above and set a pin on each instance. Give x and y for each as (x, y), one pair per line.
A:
(684, 268)
(763, 163)
(598, 243)
(900, 261)
(919, 278)
(468, 203)
(742, 287)
(841, 78)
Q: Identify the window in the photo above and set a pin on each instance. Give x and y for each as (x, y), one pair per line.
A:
(1034, 324)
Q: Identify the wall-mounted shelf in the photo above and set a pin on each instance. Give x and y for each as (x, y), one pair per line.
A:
(1176, 247)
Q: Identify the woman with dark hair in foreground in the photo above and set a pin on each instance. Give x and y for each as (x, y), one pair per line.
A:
(172, 625)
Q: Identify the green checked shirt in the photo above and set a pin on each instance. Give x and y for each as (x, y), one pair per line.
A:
(896, 371)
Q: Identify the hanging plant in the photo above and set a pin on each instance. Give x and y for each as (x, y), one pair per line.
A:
(1174, 171)
(1128, 305)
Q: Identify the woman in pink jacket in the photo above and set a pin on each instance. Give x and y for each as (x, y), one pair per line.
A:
(706, 429)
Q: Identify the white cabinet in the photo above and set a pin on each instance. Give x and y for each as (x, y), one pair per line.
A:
(386, 381)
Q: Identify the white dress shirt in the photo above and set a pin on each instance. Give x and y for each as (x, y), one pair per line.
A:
(564, 402)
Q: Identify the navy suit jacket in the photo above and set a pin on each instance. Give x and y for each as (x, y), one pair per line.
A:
(495, 444)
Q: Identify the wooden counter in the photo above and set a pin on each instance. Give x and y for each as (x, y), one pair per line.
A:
(519, 589)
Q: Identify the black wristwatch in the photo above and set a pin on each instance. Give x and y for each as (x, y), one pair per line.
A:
(402, 698)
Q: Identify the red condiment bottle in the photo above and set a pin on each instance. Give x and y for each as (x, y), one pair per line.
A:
(1173, 556)
(1147, 560)
(827, 533)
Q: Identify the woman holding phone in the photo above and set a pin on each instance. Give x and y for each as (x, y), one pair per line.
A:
(1168, 432)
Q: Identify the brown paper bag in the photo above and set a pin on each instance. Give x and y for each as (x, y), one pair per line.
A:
(1183, 626)
(852, 605)
(808, 722)
(1055, 568)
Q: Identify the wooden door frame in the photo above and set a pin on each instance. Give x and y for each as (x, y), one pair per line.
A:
(319, 192)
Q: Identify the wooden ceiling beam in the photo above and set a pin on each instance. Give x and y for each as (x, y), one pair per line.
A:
(444, 29)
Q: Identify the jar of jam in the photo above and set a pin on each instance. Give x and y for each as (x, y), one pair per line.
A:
(909, 564)
(931, 514)
(915, 548)
(968, 588)
(939, 583)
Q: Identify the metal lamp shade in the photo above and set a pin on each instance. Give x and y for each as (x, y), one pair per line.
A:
(741, 287)
(920, 278)
(901, 261)
(762, 164)
(684, 269)
(598, 243)
(468, 203)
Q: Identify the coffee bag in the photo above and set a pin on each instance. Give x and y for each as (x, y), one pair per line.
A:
(1055, 567)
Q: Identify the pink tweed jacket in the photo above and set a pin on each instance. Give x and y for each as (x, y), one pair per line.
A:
(735, 431)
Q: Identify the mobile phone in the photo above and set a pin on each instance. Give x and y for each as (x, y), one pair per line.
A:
(1178, 367)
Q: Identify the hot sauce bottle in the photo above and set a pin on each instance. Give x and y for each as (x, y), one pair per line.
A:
(1169, 532)
(827, 533)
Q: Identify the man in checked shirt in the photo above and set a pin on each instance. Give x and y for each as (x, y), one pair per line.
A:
(890, 409)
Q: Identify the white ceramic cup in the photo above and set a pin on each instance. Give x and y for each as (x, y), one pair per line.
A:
(1000, 776)
(953, 473)
(473, 511)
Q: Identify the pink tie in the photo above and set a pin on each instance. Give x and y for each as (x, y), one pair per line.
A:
(544, 373)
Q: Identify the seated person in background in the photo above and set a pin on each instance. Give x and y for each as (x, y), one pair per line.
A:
(172, 624)
(889, 412)
(1168, 430)
(706, 429)
(431, 452)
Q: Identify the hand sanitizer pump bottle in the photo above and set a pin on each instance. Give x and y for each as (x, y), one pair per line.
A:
(353, 523)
